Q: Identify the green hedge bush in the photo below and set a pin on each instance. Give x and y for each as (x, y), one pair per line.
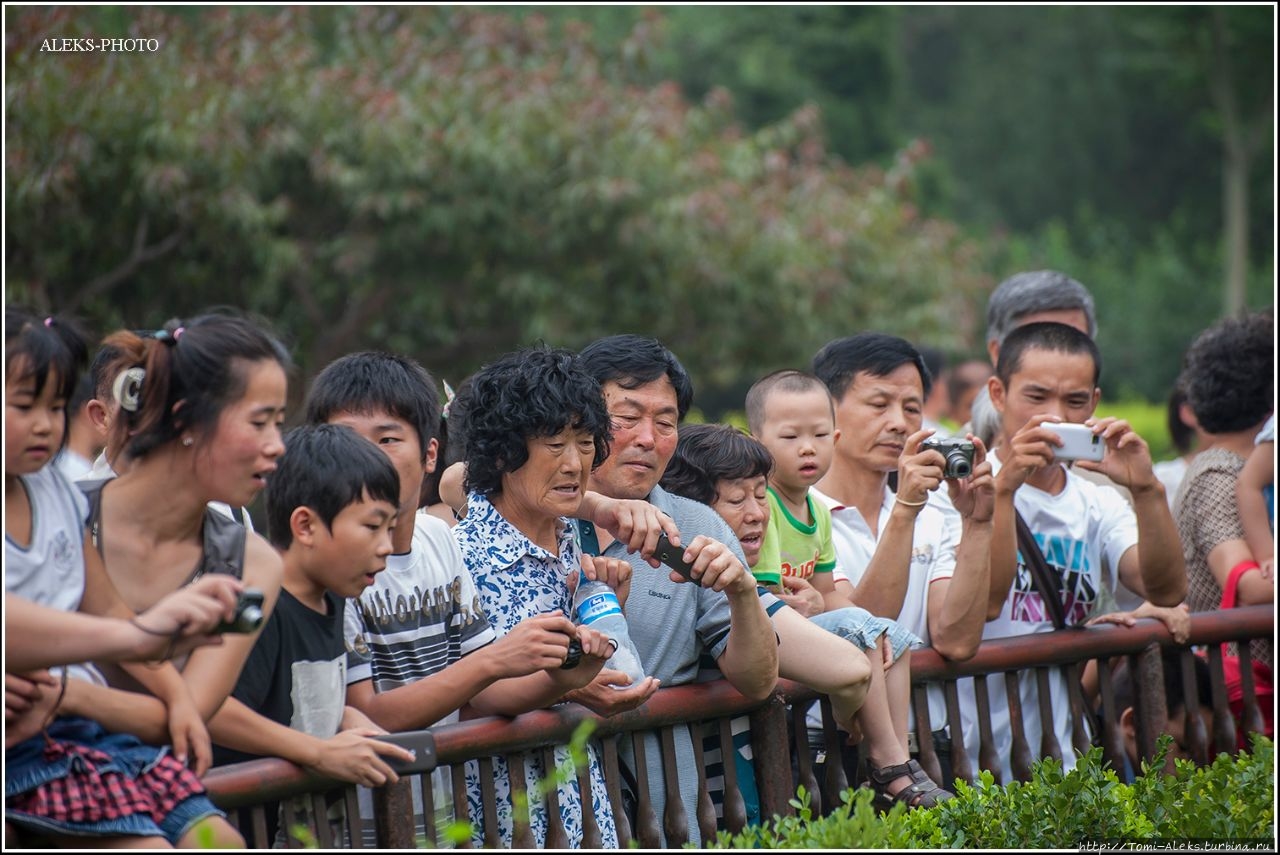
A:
(1232, 797)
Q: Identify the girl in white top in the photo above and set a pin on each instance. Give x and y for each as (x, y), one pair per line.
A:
(66, 776)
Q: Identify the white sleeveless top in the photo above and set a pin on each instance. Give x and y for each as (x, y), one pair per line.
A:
(50, 570)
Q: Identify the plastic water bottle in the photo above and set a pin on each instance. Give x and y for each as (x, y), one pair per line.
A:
(595, 605)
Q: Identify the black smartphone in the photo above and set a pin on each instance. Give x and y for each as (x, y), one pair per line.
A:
(673, 556)
(423, 745)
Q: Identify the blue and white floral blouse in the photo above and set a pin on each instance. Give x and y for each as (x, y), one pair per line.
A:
(517, 579)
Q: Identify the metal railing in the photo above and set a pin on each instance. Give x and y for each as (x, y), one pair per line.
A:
(781, 756)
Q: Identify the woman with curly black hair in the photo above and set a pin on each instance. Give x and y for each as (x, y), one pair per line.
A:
(1228, 376)
(536, 428)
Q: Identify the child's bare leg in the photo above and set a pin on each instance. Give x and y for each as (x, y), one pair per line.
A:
(897, 684)
(886, 741)
(212, 833)
(883, 718)
(824, 662)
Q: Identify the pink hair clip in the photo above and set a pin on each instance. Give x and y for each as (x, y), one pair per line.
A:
(48, 322)
(178, 333)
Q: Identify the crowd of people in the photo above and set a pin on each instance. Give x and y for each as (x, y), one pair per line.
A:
(393, 593)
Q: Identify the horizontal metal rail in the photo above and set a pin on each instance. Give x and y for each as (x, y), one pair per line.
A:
(250, 786)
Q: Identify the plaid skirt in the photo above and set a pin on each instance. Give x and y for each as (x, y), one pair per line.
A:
(78, 780)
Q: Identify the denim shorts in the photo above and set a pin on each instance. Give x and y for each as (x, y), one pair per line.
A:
(864, 629)
(26, 769)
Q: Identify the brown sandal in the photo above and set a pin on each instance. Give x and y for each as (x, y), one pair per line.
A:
(921, 792)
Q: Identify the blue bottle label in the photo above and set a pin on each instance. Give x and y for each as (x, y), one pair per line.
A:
(597, 606)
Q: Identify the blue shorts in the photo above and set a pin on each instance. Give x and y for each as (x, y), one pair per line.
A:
(864, 629)
(28, 767)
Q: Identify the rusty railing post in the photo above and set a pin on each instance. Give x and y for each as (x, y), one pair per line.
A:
(773, 761)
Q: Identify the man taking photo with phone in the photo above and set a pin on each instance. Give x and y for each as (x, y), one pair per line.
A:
(1050, 576)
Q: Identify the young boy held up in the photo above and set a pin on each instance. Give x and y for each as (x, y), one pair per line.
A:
(792, 414)
(720, 466)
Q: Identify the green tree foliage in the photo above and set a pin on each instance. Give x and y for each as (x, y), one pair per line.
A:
(1153, 297)
(1126, 145)
(449, 183)
(773, 59)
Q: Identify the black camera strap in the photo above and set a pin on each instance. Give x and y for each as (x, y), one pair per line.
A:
(1047, 582)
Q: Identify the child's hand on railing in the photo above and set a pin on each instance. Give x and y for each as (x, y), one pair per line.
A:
(1176, 618)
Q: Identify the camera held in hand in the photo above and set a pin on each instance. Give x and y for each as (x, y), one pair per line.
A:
(248, 616)
(958, 453)
(573, 656)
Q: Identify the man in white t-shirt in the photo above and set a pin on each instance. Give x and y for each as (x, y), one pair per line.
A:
(1048, 372)
(899, 554)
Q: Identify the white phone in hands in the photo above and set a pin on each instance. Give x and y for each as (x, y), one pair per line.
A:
(1079, 442)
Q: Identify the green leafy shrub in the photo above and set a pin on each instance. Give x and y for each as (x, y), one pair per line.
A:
(1232, 797)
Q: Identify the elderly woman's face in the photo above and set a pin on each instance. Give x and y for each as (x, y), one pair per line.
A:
(552, 480)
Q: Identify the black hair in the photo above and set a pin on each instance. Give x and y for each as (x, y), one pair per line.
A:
(42, 348)
(877, 354)
(786, 380)
(1045, 335)
(1175, 700)
(375, 381)
(707, 454)
(450, 441)
(455, 452)
(935, 361)
(192, 370)
(535, 392)
(326, 468)
(99, 371)
(82, 395)
(1229, 373)
(633, 361)
(1180, 432)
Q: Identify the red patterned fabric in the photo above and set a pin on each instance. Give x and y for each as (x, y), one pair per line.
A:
(87, 795)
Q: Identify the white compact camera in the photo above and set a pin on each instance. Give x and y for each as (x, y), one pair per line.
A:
(1079, 442)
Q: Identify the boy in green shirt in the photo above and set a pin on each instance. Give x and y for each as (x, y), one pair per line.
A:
(792, 414)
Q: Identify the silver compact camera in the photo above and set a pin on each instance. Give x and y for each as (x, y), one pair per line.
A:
(958, 454)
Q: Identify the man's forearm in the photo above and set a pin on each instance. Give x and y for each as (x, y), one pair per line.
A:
(1163, 569)
(1003, 551)
(424, 702)
(957, 631)
(516, 695)
(883, 586)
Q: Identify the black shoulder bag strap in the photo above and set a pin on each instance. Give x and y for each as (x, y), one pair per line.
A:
(1047, 582)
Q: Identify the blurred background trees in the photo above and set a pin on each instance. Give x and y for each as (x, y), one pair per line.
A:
(744, 183)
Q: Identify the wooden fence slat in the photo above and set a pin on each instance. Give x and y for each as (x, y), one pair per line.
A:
(247, 787)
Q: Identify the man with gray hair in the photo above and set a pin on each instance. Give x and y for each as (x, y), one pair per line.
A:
(1027, 298)
(1034, 296)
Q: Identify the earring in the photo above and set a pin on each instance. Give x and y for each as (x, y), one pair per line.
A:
(188, 441)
